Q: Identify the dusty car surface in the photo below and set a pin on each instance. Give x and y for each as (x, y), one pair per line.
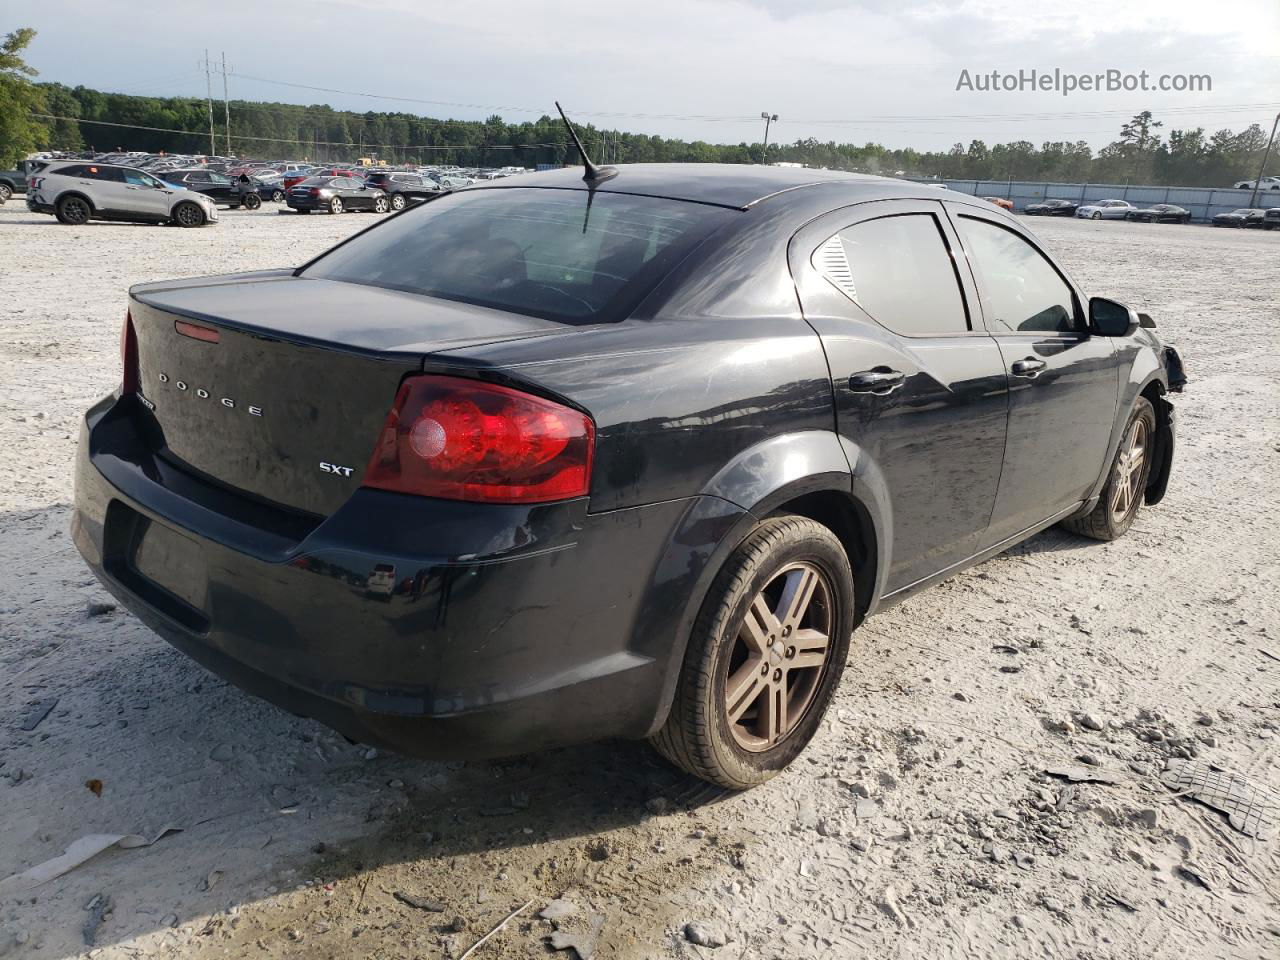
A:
(546, 461)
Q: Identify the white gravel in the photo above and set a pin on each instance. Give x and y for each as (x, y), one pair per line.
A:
(919, 822)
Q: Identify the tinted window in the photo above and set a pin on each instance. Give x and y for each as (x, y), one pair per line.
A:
(1021, 290)
(139, 179)
(898, 270)
(538, 252)
(75, 170)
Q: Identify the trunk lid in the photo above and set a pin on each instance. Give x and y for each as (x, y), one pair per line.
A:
(286, 406)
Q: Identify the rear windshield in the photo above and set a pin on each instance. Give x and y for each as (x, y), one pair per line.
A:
(541, 252)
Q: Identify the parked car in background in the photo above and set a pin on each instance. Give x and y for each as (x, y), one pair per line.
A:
(15, 181)
(336, 195)
(1105, 210)
(78, 192)
(229, 191)
(1244, 217)
(466, 392)
(1271, 221)
(297, 177)
(403, 188)
(1002, 202)
(1051, 208)
(1266, 183)
(1160, 213)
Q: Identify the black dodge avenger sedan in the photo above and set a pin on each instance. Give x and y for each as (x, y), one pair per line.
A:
(545, 460)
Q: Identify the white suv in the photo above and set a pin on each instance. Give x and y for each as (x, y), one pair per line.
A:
(79, 191)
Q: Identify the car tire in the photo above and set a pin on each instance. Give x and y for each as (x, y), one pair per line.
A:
(397, 201)
(74, 210)
(277, 196)
(6, 192)
(252, 201)
(382, 205)
(1097, 215)
(188, 214)
(335, 205)
(1126, 485)
(738, 745)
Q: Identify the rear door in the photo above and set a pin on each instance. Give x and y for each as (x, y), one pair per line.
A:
(1063, 383)
(919, 385)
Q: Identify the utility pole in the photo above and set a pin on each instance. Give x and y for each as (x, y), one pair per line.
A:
(1266, 155)
(226, 104)
(768, 118)
(208, 92)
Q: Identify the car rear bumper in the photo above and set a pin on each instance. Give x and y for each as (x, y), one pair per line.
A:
(507, 629)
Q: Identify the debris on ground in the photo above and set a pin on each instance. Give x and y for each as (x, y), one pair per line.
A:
(419, 903)
(1250, 808)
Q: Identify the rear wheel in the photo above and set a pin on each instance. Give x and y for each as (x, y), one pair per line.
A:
(1126, 484)
(335, 205)
(397, 201)
(764, 657)
(6, 192)
(73, 210)
(277, 196)
(189, 215)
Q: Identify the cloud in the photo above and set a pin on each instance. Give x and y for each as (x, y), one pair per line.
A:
(699, 69)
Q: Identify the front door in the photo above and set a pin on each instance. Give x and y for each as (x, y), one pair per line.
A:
(1063, 383)
(146, 196)
(919, 385)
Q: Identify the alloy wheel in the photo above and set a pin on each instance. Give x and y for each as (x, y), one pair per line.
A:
(75, 210)
(335, 205)
(779, 656)
(188, 214)
(1128, 475)
(277, 196)
(5, 193)
(397, 202)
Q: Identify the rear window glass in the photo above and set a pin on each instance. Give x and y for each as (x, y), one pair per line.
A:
(545, 253)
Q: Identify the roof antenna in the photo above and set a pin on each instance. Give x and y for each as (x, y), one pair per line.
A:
(594, 174)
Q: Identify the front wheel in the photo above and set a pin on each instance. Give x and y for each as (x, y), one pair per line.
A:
(1097, 215)
(1126, 484)
(188, 215)
(381, 205)
(252, 201)
(764, 657)
(6, 192)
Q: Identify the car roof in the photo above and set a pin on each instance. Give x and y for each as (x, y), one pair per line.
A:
(723, 184)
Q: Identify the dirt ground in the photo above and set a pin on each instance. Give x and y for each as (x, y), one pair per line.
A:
(920, 822)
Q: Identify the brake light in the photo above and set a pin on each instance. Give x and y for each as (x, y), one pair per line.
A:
(128, 357)
(462, 439)
(314, 192)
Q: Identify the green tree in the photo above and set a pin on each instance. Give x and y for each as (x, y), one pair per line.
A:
(20, 132)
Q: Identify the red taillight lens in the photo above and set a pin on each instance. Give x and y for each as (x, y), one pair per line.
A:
(465, 440)
(128, 357)
(314, 191)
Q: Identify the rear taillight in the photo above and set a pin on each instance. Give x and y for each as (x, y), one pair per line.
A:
(128, 357)
(464, 440)
(314, 192)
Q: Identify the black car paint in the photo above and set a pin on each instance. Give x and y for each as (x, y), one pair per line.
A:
(721, 399)
(1052, 208)
(1161, 213)
(353, 193)
(224, 190)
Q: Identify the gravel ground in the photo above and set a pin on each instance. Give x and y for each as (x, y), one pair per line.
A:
(919, 822)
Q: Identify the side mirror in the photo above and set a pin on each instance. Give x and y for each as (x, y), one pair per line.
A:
(1107, 318)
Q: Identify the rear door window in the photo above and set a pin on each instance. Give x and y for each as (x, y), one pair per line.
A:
(899, 271)
(546, 253)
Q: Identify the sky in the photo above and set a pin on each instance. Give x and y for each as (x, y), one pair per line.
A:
(853, 71)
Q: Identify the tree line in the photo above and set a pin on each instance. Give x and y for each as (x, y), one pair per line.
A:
(265, 130)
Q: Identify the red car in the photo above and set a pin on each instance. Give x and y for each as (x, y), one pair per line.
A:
(1000, 202)
(293, 178)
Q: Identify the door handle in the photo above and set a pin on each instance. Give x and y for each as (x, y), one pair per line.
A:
(1029, 368)
(876, 380)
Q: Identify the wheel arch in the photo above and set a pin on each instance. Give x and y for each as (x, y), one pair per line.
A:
(807, 473)
(93, 207)
(1163, 442)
